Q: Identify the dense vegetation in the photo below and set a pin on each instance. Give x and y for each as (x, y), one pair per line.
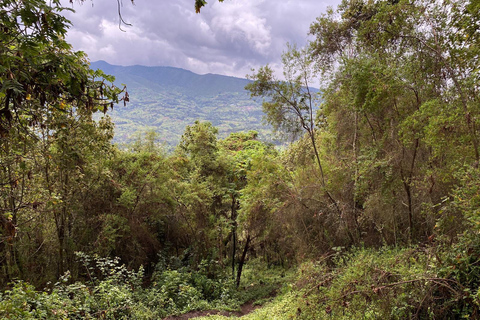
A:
(375, 206)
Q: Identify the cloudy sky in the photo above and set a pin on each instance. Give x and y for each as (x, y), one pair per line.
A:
(227, 38)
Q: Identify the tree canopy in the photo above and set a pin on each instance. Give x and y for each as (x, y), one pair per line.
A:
(378, 192)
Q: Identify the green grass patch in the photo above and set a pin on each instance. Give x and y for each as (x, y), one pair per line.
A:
(360, 284)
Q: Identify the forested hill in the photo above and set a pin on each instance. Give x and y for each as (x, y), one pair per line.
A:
(372, 213)
(191, 84)
(166, 99)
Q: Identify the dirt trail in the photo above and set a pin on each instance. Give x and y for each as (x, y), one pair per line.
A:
(245, 309)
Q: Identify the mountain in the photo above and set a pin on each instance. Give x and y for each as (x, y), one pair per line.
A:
(167, 99)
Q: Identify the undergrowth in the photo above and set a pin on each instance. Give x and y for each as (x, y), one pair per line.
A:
(389, 283)
(111, 291)
(429, 282)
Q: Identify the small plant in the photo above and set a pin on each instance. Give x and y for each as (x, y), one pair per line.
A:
(99, 269)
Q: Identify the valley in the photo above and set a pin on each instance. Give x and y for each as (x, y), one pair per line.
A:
(167, 99)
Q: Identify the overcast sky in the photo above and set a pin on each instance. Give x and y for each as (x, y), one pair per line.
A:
(226, 38)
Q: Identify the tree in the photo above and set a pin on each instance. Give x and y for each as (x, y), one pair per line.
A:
(403, 74)
(199, 143)
(237, 153)
(294, 106)
(134, 205)
(267, 183)
(198, 193)
(39, 71)
(44, 87)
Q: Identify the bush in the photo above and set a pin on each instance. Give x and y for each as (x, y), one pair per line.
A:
(186, 288)
(112, 292)
(388, 283)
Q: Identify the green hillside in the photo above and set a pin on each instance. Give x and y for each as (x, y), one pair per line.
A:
(167, 99)
(372, 213)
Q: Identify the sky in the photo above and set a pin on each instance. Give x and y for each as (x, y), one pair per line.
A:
(228, 38)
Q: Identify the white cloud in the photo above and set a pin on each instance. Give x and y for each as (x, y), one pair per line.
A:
(226, 38)
(243, 24)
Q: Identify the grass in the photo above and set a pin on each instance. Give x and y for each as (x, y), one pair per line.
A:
(387, 283)
(260, 283)
(281, 307)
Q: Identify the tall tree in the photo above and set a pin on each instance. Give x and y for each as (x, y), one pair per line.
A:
(399, 72)
(294, 107)
(44, 86)
(237, 153)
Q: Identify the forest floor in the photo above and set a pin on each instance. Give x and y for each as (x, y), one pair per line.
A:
(260, 285)
(245, 309)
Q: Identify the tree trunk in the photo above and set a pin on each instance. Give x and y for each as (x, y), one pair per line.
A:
(233, 218)
(242, 260)
(311, 133)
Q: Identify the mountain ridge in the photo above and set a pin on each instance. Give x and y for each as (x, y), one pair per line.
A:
(176, 77)
(167, 99)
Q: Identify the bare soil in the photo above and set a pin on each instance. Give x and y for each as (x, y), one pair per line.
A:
(245, 309)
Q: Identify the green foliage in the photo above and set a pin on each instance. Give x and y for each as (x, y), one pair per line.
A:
(40, 75)
(466, 197)
(461, 266)
(111, 291)
(199, 143)
(460, 259)
(291, 104)
(399, 114)
(185, 290)
(200, 4)
(51, 149)
(108, 294)
(387, 155)
(364, 284)
(261, 283)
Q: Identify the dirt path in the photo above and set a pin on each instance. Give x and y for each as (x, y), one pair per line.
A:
(245, 309)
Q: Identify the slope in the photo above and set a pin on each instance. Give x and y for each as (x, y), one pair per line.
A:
(167, 99)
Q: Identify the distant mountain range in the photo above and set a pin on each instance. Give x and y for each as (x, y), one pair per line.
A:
(168, 99)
